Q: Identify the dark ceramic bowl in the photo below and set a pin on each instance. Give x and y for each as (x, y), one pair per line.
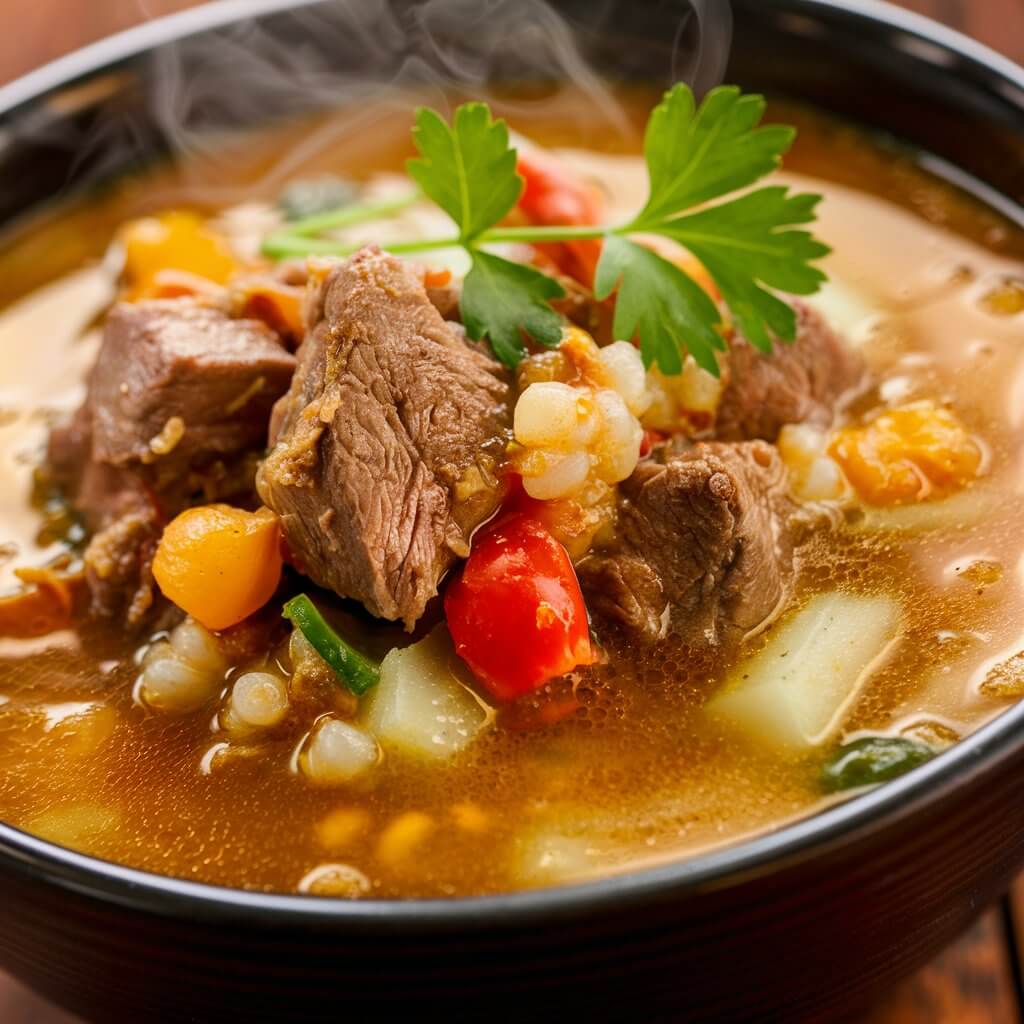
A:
(811, 920)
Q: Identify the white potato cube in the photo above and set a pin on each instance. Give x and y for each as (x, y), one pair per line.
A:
(420, 707)
(797, 689)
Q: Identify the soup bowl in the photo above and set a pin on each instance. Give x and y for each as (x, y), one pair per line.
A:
(810, 920)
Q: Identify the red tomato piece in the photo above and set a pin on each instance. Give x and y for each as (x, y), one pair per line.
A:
(516, 613)
(555, 195)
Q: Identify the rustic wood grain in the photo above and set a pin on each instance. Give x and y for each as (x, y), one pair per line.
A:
(997, 23)
(972, 982)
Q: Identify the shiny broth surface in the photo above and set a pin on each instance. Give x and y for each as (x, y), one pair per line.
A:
(640, 773)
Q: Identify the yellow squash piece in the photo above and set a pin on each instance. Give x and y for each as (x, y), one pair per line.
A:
(909, 454)
(159, 250)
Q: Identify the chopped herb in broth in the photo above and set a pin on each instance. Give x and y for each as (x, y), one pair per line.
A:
(472, 569)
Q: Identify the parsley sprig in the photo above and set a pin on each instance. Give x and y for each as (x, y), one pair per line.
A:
(752, 244)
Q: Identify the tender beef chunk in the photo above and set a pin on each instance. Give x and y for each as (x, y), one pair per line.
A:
(704, 548)
(119, 561)
(385, 442)
(796, 383)
(177, 384)
(176, 411)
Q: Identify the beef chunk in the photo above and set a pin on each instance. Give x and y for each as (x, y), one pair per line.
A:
(796, 383)
(177, 383)
(119, 563)
(176, 410)
(703, 545)
(385, 442)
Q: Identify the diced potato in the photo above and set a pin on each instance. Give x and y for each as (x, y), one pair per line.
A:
(846, 308)
(419, 706)
(960, 511)
(554, 858)
(795, 691)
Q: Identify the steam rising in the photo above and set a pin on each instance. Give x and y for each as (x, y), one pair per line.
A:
(339, 54)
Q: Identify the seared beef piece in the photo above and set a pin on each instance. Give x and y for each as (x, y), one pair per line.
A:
(703, 545)
(119, 563)
(176, 411)
(386, 441)
(796, 383)
(178, 385)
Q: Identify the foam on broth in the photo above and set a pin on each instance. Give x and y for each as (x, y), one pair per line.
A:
(639, 774)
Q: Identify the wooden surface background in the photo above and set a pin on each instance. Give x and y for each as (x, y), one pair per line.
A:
(978, 980)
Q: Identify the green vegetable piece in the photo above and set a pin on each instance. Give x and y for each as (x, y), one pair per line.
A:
(467, 168)
(501, 299)
(697, 155)
(671, 312)
(358, 673)
(311, 196)
(749, 243)
(872, 759)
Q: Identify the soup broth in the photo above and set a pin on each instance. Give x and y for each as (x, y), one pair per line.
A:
(637, 767)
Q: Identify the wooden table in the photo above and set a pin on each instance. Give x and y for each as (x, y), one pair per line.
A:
(977, 980)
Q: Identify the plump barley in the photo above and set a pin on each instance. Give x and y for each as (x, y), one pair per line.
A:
(800, 443)
(337, 752)
(823, 481)
(625, 373)
(341, 881)
(619, 442)
(259, 700)
(565, 475)
(686, 401)
(169, 684)
(197, 647)
(547, 416)
(813, 474)
(183, 672)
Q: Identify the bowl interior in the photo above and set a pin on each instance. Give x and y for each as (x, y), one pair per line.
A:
(103, 113)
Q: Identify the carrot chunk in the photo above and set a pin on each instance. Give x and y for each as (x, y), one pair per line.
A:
(220, 564)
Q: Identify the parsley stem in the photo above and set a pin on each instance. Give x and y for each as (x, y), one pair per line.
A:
(282, 244)
(287, 241)
(543, 233)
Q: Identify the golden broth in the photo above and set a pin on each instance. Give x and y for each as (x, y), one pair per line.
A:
(640, 773)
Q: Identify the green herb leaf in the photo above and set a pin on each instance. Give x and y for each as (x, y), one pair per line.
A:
(872, 759)
(697, 155)
(468, 168)
(749, 245)
(358, 673)
(671, 312)
(501, 300)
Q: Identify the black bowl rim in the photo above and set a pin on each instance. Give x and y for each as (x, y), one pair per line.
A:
(977, 754)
